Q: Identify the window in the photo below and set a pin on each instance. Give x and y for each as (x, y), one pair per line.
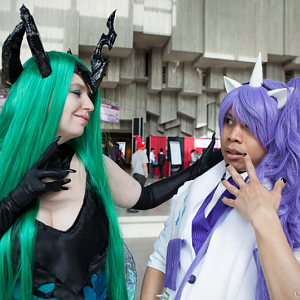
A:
(289, 75)
(164, 73)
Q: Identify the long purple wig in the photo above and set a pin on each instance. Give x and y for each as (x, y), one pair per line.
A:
(254, 108)
(288, 148)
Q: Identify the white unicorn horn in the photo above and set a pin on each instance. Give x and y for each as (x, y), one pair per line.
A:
(281, 95)
(256, 79)
(230, 84)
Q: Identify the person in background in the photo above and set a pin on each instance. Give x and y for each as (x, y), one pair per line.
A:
(193, 156)
(139, 162)
(161, 163)
(152, 163)
(114, 151)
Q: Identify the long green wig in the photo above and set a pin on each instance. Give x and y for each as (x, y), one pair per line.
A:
(28, 124)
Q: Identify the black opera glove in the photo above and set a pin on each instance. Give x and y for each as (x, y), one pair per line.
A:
(31, 187)
(161, 191)
(208, 160)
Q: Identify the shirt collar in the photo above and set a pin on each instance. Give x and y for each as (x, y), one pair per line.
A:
(228, 175)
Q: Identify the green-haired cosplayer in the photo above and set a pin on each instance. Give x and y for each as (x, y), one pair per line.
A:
(67, 245)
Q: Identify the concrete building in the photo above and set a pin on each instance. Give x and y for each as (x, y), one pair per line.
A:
(170, 56)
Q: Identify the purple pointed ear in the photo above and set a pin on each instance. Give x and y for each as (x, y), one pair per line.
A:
(281, 95)
(230, 84)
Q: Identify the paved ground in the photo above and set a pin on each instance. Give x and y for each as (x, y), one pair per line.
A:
(140, 231)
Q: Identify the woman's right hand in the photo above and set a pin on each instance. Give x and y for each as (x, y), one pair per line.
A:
(31, 185)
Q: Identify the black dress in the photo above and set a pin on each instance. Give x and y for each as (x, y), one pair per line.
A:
(70, 265)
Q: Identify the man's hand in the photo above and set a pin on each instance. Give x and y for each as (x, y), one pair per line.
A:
(253, 200)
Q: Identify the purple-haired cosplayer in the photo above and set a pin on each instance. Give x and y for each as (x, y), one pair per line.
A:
(222, 238)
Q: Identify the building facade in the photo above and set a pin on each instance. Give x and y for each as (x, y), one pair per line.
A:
(170, 56)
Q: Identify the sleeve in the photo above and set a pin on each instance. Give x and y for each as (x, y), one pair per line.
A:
(145, 159)
(8, 213)
(157, 259)
(297, 254)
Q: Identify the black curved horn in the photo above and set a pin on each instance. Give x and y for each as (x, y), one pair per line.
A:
(98, 64)
(35, 43)
(11, 63)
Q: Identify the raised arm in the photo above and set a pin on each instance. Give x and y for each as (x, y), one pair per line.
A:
(125, 190)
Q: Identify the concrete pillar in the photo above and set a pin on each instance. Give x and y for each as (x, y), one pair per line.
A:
(186, 42)
(187, 126)
(153, 104)
(127, 66)
(174, 80)
(175, 131)
(141, 99)
(201, 118)
(168, 107)
(172, 124)
(275, 71)
(187, 106)
(192, 80)
(112, 78)
(211, 116)
(214, 80)
(126, 96)
(155, 80)
(274, 26)
(140, 65)
(291, 28)
(240, 75)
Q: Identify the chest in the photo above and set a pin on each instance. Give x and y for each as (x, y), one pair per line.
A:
(60, 210)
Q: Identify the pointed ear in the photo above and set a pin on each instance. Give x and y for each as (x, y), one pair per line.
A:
(256, 79)
(230, 84)
(281, 95)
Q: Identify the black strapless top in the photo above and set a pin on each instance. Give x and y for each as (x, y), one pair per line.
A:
(71, 264)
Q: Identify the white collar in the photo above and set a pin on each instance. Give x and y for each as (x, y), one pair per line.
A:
(227, 175)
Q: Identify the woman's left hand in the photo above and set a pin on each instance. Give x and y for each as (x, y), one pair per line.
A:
(252, 199)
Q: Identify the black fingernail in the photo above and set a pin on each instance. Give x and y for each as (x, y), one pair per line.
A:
(227, 165)
(71, 171)
(67, 180)
(283, 179)
(57, 139)
(222, 178)
(244, 154)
